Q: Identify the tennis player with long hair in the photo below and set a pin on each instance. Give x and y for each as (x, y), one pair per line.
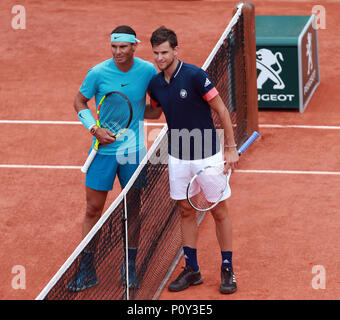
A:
(121, 155)
(186, 95)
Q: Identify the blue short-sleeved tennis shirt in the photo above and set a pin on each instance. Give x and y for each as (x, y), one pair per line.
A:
(106, 77)
(184, 100)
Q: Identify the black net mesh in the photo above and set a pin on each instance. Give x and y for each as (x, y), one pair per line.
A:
(107, 246)
(227, 71)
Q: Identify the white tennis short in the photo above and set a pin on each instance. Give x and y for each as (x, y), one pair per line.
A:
(181, 172)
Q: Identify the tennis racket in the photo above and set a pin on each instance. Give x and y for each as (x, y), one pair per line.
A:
(209, 185)
(114, 113)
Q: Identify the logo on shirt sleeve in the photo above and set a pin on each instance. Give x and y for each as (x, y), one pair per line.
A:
(207, 82)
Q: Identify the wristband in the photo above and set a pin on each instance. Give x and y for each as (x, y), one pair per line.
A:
(86, 118)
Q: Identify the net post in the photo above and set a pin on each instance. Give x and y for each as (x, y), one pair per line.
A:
(248, 11)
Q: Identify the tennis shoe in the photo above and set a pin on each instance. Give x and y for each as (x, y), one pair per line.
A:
(188, 277)
(83, 281)
(228, 281)
(86, 277)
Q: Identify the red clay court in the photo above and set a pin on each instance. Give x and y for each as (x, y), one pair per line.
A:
(285, 196)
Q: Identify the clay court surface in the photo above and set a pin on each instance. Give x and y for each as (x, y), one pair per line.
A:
(285, 193)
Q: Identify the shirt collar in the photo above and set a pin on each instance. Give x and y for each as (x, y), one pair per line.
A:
(178, 69)
(176, 72)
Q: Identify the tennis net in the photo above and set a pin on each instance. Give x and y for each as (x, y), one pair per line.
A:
(144, 215)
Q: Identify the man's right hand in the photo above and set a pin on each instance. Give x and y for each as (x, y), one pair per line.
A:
(105, 136)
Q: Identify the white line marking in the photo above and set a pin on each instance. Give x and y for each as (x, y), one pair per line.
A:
(38, 122)
(299, 126)
(23, 166)
(289, 172)
(150, 124)
(154, 124)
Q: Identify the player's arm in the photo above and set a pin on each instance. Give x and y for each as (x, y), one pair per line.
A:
(231, 153)
(85, 116)
(210, 94)
(152, 110)
(80, 102)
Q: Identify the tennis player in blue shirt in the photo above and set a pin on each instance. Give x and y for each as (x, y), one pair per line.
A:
(131, 76)
(186, 95)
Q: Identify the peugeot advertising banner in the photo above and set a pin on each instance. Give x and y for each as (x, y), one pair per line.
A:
(286, 61)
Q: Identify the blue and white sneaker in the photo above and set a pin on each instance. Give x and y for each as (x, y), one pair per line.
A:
(86, 277)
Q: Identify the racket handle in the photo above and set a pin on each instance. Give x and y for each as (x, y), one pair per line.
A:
(88, 161)
(250, 140)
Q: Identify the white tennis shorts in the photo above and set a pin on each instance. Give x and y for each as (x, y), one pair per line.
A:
(182, 171)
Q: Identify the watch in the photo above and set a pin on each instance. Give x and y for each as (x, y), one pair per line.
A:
(93, 129)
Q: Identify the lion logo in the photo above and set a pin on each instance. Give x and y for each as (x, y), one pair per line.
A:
(265, 60)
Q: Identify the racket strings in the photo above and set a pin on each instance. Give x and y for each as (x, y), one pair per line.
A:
(114, 113)
(207, 188)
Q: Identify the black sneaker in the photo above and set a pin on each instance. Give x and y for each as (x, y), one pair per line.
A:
(228, 281)
(188, 277)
